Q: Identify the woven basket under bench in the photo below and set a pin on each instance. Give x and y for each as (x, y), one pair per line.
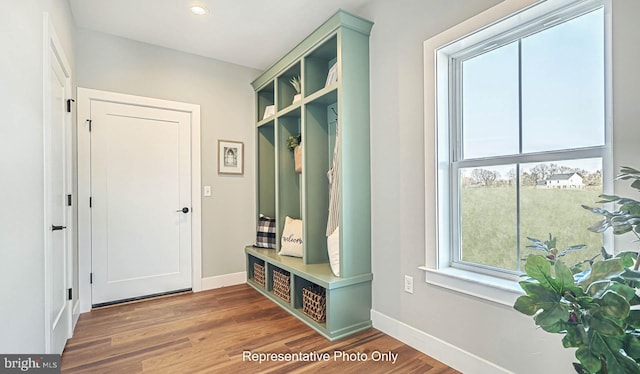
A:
(258, 273)
(282, 284)
(314, 303)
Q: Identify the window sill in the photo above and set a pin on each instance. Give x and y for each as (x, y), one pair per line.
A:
(501, 291)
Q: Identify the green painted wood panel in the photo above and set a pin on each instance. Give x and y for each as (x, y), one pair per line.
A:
(318, 63)
(344, 308)
(316, 191)
(342, 40)
(284, 88)
(340, 19)
(264, 98)
(348, 300)
(266, 170)
(353, 101)
(319, 274)
(288, 180)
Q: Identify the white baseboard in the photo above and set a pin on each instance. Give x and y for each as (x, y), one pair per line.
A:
(75, 314)
(224, 280)
(442, 351)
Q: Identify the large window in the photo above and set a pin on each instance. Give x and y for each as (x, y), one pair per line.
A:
(521, 137)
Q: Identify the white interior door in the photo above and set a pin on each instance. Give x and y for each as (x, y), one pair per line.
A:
(57, 214)
(141, 201)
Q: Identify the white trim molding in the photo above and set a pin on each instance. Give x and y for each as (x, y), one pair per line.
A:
(53, 51)
(442, 351)
(225, 280)
(500, 24)
(76, 314)
(85, 96)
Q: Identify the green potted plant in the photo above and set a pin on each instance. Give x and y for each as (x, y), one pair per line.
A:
(595, 308)
(297, 85)
(294, 143)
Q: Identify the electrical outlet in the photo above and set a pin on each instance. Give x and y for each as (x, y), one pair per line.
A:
(408, 284)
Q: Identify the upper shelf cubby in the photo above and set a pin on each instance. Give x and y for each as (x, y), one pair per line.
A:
(286, 92)
(320, 67)
(265, 99)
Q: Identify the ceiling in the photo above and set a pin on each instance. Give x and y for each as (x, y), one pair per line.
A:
(254, 33)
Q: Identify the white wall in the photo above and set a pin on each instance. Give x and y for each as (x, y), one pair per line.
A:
(225, 97)
(626, 102)
(21, 163)
(490, 331)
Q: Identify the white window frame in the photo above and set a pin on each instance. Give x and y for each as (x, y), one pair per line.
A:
(493, 26)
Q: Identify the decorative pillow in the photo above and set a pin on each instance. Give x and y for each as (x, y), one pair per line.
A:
(291, 242)
(333, 247)
(266, 237)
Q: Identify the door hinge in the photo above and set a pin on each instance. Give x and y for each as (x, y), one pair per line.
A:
(69, 200)
(89, 121)
(70, 294)
(69, 101)
(91, 202)
(90, 278)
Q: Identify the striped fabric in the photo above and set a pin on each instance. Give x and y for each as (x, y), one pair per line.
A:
(334, 188)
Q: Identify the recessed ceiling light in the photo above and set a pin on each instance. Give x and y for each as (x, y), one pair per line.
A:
(199, 10)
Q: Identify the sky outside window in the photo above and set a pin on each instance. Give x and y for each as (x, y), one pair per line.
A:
(562, 92)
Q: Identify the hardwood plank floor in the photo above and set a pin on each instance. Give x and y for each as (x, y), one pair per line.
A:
(215, 331)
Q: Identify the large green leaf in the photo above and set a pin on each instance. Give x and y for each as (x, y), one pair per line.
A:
(611, 348)
(587, 302)
(589, 362)
(604, 270)
(628, 258)
(632, 346)
(545, 305)
(631, 275)
(526, 305)
(629, 293)
(627, 172)
(573, 248)
(608, 198)
(576, 336)
(598, 288)
(634, 318)
(614, 306)
(559, 326)
(579, 368)
(551, 315)
(600, 226)
(538, 297)
(621, 228)
(564, 279)
(539, 268)
(531, 287)
(605, 326)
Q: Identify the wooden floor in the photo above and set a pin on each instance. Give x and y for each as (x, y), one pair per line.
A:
(215, 331)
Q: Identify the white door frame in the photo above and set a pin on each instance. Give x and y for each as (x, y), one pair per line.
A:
(85, 96)
(53, 47)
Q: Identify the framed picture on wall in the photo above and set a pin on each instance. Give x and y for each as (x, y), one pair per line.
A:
(230, 157)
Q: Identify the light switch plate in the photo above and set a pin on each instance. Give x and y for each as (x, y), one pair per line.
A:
(207, 190)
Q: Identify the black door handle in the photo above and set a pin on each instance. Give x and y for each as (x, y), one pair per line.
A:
(56, 228)
(183, 210)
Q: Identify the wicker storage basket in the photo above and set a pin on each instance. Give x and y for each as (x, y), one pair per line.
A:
(258, 273)
(282, 284)
(314, 302)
